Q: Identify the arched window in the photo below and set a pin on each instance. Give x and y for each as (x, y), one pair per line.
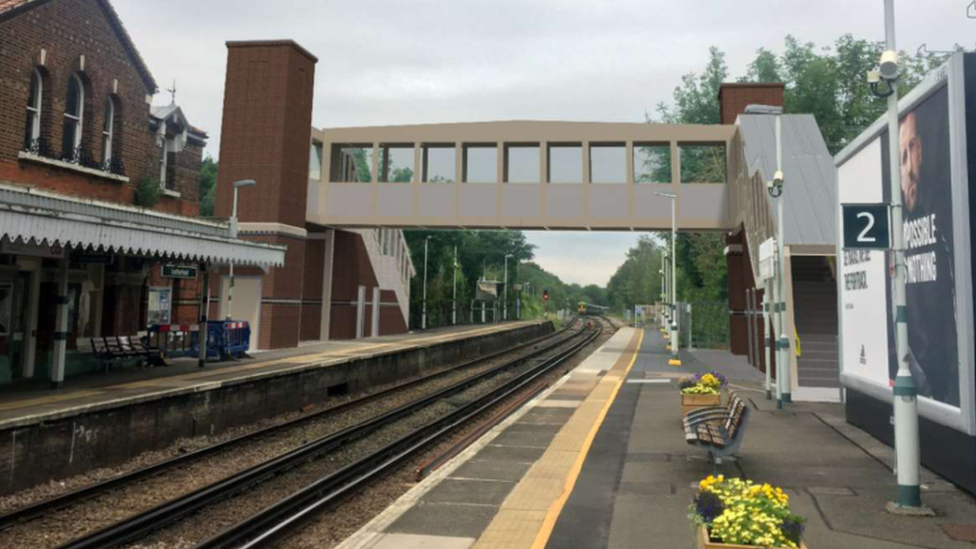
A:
(33, 130)
(107, 131)
(74, 107)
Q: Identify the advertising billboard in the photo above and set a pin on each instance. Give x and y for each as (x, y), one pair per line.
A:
(934, 190)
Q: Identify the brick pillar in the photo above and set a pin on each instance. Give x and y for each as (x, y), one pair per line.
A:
(265, 136)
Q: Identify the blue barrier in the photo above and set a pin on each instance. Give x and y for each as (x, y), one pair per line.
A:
(225, 339)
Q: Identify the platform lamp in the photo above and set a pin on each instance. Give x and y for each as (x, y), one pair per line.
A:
(423, 316)
(505, 306)
(233, 234)
(675, 361)
(775, 189)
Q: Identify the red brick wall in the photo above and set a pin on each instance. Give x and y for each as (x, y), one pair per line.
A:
(67, 30)
(734, 98)
(312, 289)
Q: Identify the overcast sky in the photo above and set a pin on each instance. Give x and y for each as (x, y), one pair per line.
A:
(402, 62)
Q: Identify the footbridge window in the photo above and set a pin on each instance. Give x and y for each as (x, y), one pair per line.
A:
(522, 163)
(480, 163)
(652, 163)
(565, 163)
(439, 163)
(608, 163)
(396, 163)
(702, 163)
(352, 163)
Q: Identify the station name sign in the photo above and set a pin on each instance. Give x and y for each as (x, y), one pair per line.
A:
(179, 271)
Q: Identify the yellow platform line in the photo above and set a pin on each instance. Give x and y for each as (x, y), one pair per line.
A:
(528, 516)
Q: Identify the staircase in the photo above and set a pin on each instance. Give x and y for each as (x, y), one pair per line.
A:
(815, 312)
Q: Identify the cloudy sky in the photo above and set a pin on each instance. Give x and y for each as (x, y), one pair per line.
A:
(428, 61)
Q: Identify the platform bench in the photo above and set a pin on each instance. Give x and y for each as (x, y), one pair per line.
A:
(723, 440)
(113, 348)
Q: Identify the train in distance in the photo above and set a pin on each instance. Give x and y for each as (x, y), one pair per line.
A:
(592, 309)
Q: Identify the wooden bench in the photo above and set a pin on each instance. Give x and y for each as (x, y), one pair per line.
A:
(110, 349)
(714, 414)
(722, 440)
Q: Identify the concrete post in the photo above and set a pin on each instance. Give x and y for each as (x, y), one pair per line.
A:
(767, 338)
(204, 311)
(375, 319)
(61, 324)
(33, 313)
(361, 312)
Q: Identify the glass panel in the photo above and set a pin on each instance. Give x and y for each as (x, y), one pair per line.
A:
(68, 139)
(439, 163)
(481, 164)
(396, 163)
(608, 163)
(34, 101)
(73, 102)
(109, 116)
(702, 163)
(522, 164)
(652, 163)
(352, 163)
(565, 163)
(29, 134)
(315, 161)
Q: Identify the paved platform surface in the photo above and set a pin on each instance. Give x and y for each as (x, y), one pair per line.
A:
(600, 461)
(28, 401)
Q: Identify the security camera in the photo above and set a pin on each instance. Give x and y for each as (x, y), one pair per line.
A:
(874, 77)
(889, 65)
(778, 178)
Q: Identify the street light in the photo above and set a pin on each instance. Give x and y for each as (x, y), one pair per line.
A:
(454, 303)
(775, 188)
(675, 361)
(505, 305)
(905, 392)
(423, 316)
(233, 234)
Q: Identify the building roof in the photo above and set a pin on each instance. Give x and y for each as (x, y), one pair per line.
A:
(13, 8)
(163, 114)
(810, 187)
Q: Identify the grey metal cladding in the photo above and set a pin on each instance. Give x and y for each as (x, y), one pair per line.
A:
(811, 191)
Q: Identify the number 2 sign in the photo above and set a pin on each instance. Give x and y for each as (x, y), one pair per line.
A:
(866, 226)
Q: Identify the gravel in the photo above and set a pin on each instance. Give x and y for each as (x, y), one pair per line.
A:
(117, 504)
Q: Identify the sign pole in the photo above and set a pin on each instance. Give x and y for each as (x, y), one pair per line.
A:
(905, 391)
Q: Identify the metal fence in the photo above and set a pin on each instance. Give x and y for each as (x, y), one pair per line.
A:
(705, 324)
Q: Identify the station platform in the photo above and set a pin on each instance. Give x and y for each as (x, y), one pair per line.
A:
(599, 460)
(26, 403)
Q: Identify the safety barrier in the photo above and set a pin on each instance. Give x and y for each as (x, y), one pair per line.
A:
(225, 339)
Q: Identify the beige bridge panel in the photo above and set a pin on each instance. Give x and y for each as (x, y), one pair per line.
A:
(587, 205)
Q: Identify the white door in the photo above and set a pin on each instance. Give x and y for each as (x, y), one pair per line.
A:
(247, 302)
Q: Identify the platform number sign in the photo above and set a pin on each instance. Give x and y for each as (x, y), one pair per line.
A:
(866, 226)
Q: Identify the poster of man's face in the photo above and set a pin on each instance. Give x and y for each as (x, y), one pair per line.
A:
(926, 192)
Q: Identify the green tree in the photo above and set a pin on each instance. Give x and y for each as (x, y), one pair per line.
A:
(208, 186)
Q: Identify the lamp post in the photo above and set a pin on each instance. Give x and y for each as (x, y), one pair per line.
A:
(675, 361)
(505, 304)
(454, 301)
(905, 391)
(775, 189)
(518, 292)
(233, 234)
(423, 315)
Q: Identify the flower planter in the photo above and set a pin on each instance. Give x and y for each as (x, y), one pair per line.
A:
(694, 402)
(705, 543)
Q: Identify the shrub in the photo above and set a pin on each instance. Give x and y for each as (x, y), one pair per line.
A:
(147, 193)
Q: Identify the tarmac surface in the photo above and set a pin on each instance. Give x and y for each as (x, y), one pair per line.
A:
(599, 460)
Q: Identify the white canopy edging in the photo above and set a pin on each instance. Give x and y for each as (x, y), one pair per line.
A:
(48, 227)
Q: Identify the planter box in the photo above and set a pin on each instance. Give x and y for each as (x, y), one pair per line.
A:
(705, 543)
(694, 402)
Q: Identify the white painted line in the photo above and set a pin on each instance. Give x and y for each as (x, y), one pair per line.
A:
(649, 381)
(412, 541)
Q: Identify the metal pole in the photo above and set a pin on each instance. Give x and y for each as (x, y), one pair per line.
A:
(784, 341)
(518, 293)
(767, 337)
(233, 234)
(423, 316)
(505, 303)
(454, 301)
(905, 391)
(204, 311)
(675, 361)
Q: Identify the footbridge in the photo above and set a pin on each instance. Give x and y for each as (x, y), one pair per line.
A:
(525, 175)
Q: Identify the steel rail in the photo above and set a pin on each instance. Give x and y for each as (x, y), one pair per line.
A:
(73, 497)
(267, 526)
(141, 524)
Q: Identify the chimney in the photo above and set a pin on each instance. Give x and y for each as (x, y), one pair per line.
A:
(733, 98)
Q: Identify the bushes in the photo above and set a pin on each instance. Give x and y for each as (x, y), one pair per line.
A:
(148, 193)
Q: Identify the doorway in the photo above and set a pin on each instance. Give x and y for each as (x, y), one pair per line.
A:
(247, 302)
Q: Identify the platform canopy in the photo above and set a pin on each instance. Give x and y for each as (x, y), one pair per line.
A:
(31, 216)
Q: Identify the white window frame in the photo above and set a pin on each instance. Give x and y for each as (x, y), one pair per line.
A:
(79, 119)
(163, 165)
(35, 127)
(108, 131)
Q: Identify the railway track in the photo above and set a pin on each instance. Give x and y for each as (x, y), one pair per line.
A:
(142, 523)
